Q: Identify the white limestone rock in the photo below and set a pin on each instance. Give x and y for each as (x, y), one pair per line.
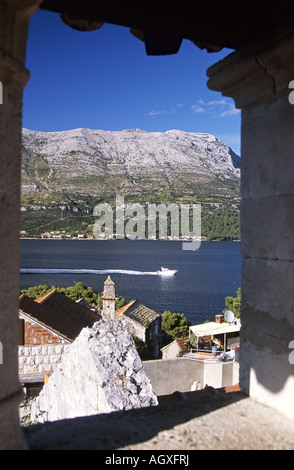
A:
(101, 373)
(97, 162)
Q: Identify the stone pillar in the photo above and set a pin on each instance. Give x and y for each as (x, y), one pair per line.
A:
(108, 300)
(14, 19)
(259, 84)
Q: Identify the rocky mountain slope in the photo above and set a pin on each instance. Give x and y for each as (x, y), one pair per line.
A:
(100, 163)
(65, 174)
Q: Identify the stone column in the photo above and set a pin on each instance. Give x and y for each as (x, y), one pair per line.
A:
(259, 84)
(14, 19)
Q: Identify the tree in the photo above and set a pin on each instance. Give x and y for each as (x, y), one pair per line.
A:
(76, 292)
(35, 292)
(119, 302)
(234, 304)
(80, 291)
(175, 324)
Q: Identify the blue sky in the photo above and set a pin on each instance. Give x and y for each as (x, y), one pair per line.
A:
(104, 80)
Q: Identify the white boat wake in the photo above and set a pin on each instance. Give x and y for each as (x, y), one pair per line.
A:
(92, 271)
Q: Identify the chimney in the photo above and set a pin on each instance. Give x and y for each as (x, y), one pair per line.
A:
(219, 318)
(108, 300)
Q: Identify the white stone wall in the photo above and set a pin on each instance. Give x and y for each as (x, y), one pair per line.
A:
(170, 351)
(35, 360)
(180, 374)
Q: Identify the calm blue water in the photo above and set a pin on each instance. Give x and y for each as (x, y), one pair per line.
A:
(204, 278)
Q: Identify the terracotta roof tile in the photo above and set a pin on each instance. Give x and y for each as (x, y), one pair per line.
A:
(121, 310)
(182, 343)
(42, 299)
(59, 312)
(138, 312)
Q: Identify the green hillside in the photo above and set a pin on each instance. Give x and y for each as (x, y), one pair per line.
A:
(72, 215)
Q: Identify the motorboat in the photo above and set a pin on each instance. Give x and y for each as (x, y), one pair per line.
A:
(166, 272)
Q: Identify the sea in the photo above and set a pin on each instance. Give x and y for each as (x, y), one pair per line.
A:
(198, 289)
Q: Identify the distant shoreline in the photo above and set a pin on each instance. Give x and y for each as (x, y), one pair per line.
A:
(126, 239)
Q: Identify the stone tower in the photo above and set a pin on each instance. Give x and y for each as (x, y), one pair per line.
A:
(108, 299)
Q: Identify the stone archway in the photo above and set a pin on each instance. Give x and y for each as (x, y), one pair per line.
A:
(257, 77)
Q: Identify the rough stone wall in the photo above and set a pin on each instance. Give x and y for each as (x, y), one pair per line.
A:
(101, 373)
(35, 360)
(171, 351)
(259, 84)
(14, 20)
(268, 268)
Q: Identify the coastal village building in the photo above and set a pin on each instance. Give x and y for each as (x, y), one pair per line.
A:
(50, 323)
(225, 335)
(176, 348)
(52, 319)
(144, 323)
(56, 319)
(47, 326)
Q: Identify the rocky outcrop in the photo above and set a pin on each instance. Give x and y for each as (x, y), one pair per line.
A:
(102, 372)
(98, 162)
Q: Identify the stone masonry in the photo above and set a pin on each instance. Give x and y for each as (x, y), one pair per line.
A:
(259, 84)
(14, 22)
(102, 372)
(35, 360)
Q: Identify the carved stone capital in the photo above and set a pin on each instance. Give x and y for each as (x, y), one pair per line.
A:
(12, 70)
(14, 22)
(255, 77)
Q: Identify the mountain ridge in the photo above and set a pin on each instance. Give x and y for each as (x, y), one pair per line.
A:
(65, 159)
(73, 170)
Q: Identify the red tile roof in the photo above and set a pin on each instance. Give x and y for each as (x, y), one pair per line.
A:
(58, 312)
(138, 313)
(123, 309)
(182, 343)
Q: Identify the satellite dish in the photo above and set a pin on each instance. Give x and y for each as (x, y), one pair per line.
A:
(229, 316)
